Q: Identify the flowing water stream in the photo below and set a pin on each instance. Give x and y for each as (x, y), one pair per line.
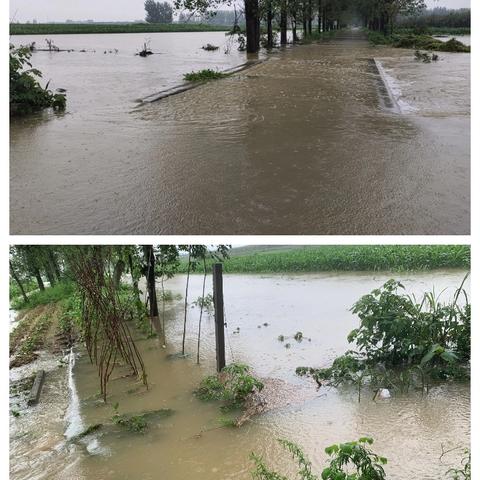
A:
(307, 142)
(409, 429)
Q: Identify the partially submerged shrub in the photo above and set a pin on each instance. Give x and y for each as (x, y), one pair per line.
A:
(401, 342)
(204, 75)
(138, 423)
(465, 471)
(26, 93)
(206, 302)
(232, 386)
(348, 461)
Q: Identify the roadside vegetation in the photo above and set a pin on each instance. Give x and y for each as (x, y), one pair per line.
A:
(417, 41)
(345, 258)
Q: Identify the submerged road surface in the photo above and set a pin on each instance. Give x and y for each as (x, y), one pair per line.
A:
(332, 138)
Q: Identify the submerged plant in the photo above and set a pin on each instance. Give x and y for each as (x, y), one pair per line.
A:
(401, 342)
(232, 386)
(348, 461)
(465, 471)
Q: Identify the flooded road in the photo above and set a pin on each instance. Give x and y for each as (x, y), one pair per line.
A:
(309, 142)
(408, 429)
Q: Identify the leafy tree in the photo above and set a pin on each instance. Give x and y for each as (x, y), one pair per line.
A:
(158, 12)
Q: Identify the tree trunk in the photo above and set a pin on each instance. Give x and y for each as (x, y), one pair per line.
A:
(186, 302)
(117, 273)
(19, 283)
(310, 13)
(252, 24)
(269, 26)
(150, 274)
(50, 276)
(294, 28)
(283, 23)
(54, 263)
(319, 20)
(38, 277)
(201, 309)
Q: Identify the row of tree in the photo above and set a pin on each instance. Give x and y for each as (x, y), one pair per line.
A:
(437, 17)
(309, 15)
(106, 306)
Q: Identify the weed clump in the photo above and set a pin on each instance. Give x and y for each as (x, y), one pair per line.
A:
(138, 423)
(231, 387)
(204, 75)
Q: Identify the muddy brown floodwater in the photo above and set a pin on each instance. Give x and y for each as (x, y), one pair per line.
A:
(310, 142)
(410, 430)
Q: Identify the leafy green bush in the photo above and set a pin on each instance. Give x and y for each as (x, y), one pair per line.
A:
(26, 93)
(232, 386)
(401, 342)
(345, 458)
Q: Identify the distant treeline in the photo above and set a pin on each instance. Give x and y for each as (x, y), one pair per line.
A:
(438, 17)
(346, 258)
(72, 28)
(219, 17)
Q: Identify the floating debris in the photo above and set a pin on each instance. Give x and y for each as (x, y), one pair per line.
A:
(210, 48)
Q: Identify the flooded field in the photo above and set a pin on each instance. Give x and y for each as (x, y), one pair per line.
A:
(293, 145)
(409, 429)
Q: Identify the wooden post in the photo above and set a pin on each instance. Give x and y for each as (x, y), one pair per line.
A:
(34, 396)
(219, 315)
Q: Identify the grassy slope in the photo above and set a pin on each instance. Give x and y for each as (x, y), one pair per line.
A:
(72, 28)
(60, 291)
(264, 259)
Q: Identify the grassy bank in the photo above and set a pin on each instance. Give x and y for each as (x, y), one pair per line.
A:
(346, 258)
(60, 291)
(73, 28)
(414, 41)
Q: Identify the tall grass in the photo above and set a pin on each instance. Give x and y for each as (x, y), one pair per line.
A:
(58, 292)
(348, 258)
(72, 28)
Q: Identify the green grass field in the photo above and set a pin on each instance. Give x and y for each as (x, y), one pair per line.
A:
(58, 292)
(73, 28)
(266, 259)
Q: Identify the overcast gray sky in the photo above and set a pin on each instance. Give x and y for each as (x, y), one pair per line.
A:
(115, 10)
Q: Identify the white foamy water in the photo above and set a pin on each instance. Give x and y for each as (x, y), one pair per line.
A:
(394, 90)
(73, 418)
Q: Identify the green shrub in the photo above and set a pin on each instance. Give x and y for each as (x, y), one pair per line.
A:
(349, 461)
(232, 386)
(26, 93)
(401, 342)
